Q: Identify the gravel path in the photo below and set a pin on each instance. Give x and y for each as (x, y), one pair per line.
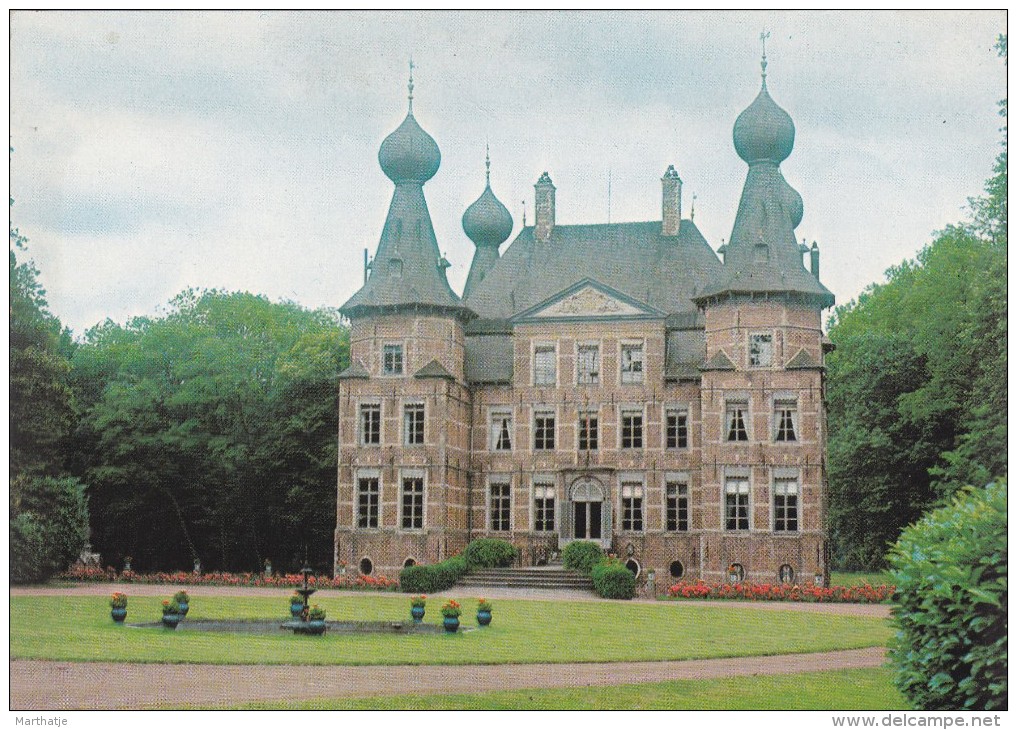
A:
(45, 685)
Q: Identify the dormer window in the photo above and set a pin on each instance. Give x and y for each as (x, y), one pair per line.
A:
(392, 360)
(760, 349)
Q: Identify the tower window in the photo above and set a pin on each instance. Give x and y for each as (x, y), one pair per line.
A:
(632, 363)
(545, 369)
(588, 431)
(677, 428)
(736, 414)
(543, 430)
(501, 506)
(632, 507)
(676, 506)
(413, 503)
(413, 424)
(370, 424)
(588, 365)
(367, 502)
(501, 431)
(392, 360)
(543, 507)
(760, 349)
(736, 504)
(632, 429)
(785, 505)
(785, 421)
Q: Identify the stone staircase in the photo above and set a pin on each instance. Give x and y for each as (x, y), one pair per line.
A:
(550, 577)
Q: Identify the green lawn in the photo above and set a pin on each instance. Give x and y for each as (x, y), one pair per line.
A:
(845, 689)
(857, 579)
(78, 628)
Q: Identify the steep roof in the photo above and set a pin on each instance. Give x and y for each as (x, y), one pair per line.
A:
(633, 258)
(434, 369)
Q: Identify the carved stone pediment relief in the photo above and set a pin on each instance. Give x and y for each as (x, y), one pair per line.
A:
(588, 302)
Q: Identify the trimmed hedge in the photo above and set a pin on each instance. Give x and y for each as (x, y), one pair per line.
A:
(950, 652)
(611, 579)
(432, 578)
(489, 553)
(581, 556)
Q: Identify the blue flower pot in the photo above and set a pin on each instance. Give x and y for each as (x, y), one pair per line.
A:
(316, 628)
(296, 609)
(451, 624)
(184, 607)
(118, 614)
(484, 618)
(417, 612)
(170, 620)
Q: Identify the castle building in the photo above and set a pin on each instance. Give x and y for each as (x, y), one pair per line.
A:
(618, 383)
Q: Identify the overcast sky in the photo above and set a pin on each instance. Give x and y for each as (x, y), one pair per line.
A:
(159, 151)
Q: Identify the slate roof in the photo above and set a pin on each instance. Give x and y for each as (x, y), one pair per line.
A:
(633, 258)
(434, 369)
(802, 361)
(355, 370)
(719, 361)
(489, 358)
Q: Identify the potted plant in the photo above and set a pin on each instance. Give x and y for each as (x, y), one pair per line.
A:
(316, 620)
(483, 612)
(451, 611)
(183, 601)
(170, 614)
(296, 605)
(118, 607)
(417, 604)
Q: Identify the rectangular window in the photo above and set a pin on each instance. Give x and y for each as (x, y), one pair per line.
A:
(367, 502)
(413, 503)
(676, 508)
(588, 431)
(501, 506)
(543, 430)
(413, 424)
(736, 504)
(632, 507)
(736, 415)
(632, 363)
(631, 429)
(543, 507)
(370, 424)
(545, 369)
(588, 365)
(761, 350)
(392, 360)
(785, 420)
(501, 431)
(677, 429)
(785, 505)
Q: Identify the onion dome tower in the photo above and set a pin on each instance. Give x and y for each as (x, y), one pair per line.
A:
(488, 224)
(762, 255)
(408, 270)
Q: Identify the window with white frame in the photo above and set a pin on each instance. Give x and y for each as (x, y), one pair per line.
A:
(632, 363)
(543, 505)
(632, 506)
(413, 424)
(588, 365)
(392, 360)
(736, 503)
(543, 430)
(501, 431)
(589, 431)
(500, 507)
(736, 416)
(412, 502)
(676, 504)
(761, 349)
(785, 420)
(676, 428)
(785, 504)
(545, 366)
(370, 424)
(632, 428)
(368, 500)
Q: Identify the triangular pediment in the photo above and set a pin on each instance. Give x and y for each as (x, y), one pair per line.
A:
(588, 300)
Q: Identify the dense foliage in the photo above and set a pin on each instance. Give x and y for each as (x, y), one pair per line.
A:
(582, 556)
(432, 578)
(489, 553)
(611, 579)
(209, 434)
(951, 571)
(917, 390)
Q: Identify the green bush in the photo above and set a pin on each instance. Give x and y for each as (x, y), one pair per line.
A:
(489, 553)
(432, 578)
(951, 576)
(48, 526)
(581, 556)
(611, 579)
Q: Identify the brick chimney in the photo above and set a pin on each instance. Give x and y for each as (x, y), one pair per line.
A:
(672, 207)
(544, 209)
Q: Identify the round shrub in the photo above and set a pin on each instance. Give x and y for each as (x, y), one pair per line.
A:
(432, 578)
(581, 556)
(611, 579)
(489, 553)
(950, 570)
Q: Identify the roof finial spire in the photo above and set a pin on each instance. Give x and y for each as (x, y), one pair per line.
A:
(411, 84)
(692, 213)
(487, 162)
(763, 36)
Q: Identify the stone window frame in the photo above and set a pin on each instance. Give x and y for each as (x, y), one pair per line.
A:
(540, 410)
(367, 473)
(785, 474)
(599, 374)
(681, 478)
(740, 475)
(624, 344)
(406, 406)
(580, 413)
(785, 399)
(682, 409)
(543, 345)
(629, 409)
(361, 433)
(753, 334)
(627, 481)
(544, 482)
(403, 359)
(493, 438)
(732, 401)
(412, 473)
(499, 479)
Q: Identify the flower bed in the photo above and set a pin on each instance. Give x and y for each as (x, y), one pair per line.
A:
(780, 592)
(360, 582)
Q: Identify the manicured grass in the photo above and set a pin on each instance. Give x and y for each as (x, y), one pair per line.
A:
(78, 628)
(845, 689)
(857, 579)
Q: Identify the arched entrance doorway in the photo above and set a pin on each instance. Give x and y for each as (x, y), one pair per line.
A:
(589, 511)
